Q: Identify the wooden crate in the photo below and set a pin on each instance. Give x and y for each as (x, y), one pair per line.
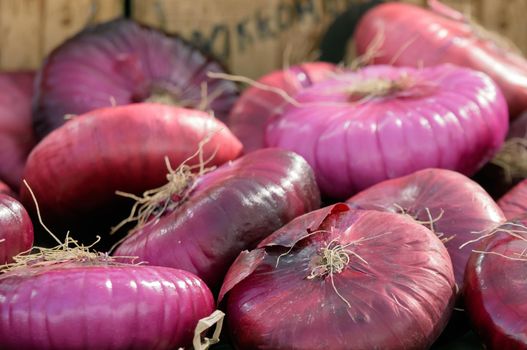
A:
(252, 36)
(30, 29)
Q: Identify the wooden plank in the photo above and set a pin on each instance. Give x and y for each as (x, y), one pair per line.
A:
(252, 37)
(30, 29)
(508, 19)
(20, 24)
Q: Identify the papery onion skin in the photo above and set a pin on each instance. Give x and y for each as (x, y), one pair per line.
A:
(16, 131)
(83, 306)
(495, 290)
(416, 37)
(255, 106)
(462, 208)
(76, 169)
(120, 62)
(400, 299)
(4, 189)
(16, 229)
(232, 209)
(452, 118)
(514, 202)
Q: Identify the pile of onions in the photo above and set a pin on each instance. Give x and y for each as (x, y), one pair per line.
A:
(76, 170)
(451, 205)
(121, 62)
(359, 128)
(94, 304)
(268, 96)
(514, 203)
(16, 132)
(412, 36)
(16, 229)
(228, 210)
(339, 278)
(495, 287)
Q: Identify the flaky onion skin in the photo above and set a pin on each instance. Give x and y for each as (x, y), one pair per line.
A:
(495, 289)
(87, 306)
(232, 208)
(16, 229)
(442, 117)
(121, 62)
(400, 295)
(456, 208)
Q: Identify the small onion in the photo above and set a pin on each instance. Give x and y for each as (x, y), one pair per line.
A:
(359, 128)
(87, 305)
(16, 229)
(339, 278)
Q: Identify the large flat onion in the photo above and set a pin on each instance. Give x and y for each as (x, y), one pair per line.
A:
(86, 305)
(449, 203)
(496, 288)
(359, 128)
(398, 282)
(121, 62)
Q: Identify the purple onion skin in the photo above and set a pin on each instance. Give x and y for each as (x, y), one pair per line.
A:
(495, 291)
(454, 118)
(232, 209)
(82, 306)
(401, 299)
(16, 132)
(255, 106)
(122, 62)
(4, 189)
(514, 202)
(466, 207)
(76, 169)
(16, 229)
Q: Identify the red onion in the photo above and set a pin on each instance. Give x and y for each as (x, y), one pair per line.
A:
(416, 37)
(16, 229)
(121, 62)
(495, 290)
(76, 169)
(88, 305)
(231, 209)
(256, 105)
(514, 203)
(381, 122)
(390, 286)
(16, 133)
(448, 203)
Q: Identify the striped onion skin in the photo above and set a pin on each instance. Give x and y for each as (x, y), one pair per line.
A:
(98, 306)
(446, 117)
